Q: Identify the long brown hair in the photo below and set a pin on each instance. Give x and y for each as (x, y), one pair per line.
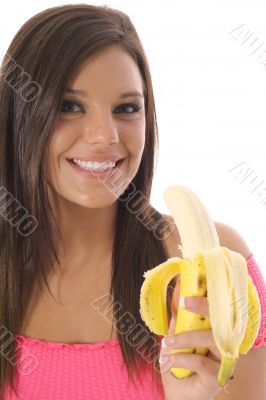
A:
(34, 71)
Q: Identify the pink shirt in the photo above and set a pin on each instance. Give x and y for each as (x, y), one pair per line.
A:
(58, 371)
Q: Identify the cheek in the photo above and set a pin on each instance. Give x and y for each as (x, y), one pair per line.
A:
(62, 140)
(63, 137)
(135, 141)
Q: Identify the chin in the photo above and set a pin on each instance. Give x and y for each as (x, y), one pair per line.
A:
(92, 200)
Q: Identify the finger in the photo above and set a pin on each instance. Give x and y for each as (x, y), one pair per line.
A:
(192, 339)
(171, 331)
(212, 354)
(171, 328)
(206, 368)
(197, 304)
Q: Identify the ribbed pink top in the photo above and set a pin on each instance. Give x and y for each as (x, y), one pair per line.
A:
(54, 371)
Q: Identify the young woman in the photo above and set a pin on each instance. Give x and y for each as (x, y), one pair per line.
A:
(76, 90)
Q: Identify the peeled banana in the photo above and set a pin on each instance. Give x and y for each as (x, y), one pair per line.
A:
(205, 269)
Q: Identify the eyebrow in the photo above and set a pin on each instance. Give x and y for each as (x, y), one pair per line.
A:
(84, 94)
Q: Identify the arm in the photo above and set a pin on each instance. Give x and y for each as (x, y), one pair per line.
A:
(249, 376)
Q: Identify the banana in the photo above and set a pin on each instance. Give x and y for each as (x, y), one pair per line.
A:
(205, 269)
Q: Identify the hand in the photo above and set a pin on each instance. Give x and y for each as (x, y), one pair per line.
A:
(202, 384)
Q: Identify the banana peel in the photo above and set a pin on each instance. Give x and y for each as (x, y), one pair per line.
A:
(206, 269)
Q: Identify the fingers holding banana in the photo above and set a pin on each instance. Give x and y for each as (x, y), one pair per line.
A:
(200, 305)
(206, 268)
(205, 367)
(194, 338)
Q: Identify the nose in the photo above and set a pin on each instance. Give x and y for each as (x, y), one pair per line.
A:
(100, 128)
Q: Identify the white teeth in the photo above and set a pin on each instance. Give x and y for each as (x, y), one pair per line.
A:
(94, 166)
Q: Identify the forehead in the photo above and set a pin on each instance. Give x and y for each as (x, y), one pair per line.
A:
(111, 68)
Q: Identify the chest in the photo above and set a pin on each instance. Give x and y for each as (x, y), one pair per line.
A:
(80, 311)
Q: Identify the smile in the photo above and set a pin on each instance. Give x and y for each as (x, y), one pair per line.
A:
(104, 170)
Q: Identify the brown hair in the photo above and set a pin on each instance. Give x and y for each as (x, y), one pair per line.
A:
(34, 71)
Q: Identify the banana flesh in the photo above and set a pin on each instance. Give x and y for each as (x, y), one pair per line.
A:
(206, 269)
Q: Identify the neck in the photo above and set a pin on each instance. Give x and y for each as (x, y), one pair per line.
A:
(87, 234)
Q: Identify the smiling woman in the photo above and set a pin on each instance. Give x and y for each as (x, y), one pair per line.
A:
(78, 153)
(87, 137)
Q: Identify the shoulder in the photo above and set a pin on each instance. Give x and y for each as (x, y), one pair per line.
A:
(228, 236)
(231, 238)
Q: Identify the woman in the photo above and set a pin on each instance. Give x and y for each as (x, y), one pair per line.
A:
(79, 134)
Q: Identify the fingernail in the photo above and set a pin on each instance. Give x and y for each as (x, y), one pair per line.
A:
(163, 359)
(182, 302)
(168, 340)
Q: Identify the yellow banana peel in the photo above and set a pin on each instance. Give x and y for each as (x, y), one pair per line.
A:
(205, 269)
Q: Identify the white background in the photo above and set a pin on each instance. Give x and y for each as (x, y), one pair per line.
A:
(210, 93)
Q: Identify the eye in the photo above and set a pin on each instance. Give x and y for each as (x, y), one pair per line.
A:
(135, 107)
(67, 106)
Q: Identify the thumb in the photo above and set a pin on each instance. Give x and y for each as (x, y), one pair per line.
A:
(171, 329)
(197, 304)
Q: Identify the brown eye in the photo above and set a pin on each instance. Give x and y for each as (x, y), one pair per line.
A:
(134, 107)
(68, 106)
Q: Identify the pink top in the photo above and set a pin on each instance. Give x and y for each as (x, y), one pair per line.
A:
(53, 370)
